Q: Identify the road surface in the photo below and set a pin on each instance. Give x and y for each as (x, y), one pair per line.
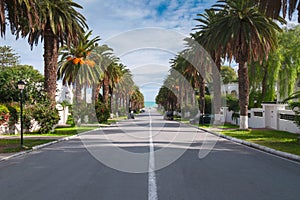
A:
(148, 159)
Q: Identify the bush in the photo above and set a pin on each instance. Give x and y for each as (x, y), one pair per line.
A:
(70, 120)
(14, 110)
(232, 103)
(122, 111)
(46, 116)
(4, 114)
(293, 105)
(28, 116)
(208, 104)
(102, 112)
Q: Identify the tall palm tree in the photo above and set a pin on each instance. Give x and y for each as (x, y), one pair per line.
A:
(59, 24)
(206, 20)
(116, 78)
(78, 65)
(76, 57)
(111, 73)
(122, 91)
(249, 35)
(193, 74)
(103, 57)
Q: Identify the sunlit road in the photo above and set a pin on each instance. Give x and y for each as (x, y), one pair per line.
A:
(148, 158)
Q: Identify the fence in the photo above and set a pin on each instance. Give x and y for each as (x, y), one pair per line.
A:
(274, 116)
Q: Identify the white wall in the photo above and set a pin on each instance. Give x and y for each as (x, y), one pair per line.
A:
(264, 122)
(287, 125)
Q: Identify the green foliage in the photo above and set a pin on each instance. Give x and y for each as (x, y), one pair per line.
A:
(28, 116)
(4, 114)
(137, 100)
(255, 99)
(228, 74)
(46, 115)
(7, 57)
(232, 103)
(122, 111)
(14, 110)
(102, 112)
(296, 107)
(208, 104)
(282, 66)
(9, 77)
(70, 120)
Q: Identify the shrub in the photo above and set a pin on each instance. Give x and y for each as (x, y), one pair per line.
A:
(4, 114)
(232, 103)
(102, 112)
(122, 111)
(46, 116)
(208, 103)
(28, 117)
(14, 110)
(293, 105)
(70, 120)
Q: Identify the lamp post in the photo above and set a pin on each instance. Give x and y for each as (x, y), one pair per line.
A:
(21, 86)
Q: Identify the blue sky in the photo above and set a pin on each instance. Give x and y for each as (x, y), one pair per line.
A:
(124, 25)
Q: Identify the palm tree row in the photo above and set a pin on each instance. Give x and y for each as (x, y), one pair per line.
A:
(56, 22)
(230, 30)
(90, 65)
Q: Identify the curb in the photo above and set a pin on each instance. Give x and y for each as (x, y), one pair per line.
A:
(255, 146)
(35, 148)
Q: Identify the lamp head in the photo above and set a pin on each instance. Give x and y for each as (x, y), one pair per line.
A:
(21, 85)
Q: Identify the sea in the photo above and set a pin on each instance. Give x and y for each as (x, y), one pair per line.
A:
(150, 104)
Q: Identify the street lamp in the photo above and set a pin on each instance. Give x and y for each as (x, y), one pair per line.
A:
(21, 86)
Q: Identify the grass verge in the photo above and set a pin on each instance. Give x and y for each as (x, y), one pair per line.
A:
(279, 140)
(13, 143)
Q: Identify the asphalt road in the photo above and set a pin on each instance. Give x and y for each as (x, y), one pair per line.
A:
(149, 158)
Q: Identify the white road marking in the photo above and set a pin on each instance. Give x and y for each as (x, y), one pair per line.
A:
(152, 187)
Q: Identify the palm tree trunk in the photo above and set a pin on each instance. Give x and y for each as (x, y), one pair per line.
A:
(202, 96)
(217, 90)
(111, 91)
(264, 85)
(243, 94)
(78, 92)
(50, 62)
(117, 103)
(105, 89)
(96, 91)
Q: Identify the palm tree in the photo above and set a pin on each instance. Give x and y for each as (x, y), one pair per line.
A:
(136, 99)
(103, 57)
(116, 78)
(59, 24)
(78, 66)
(275, 8)
(111, 74)
(206, 20)
(122, 90)
(193, 74)
(249, 35)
